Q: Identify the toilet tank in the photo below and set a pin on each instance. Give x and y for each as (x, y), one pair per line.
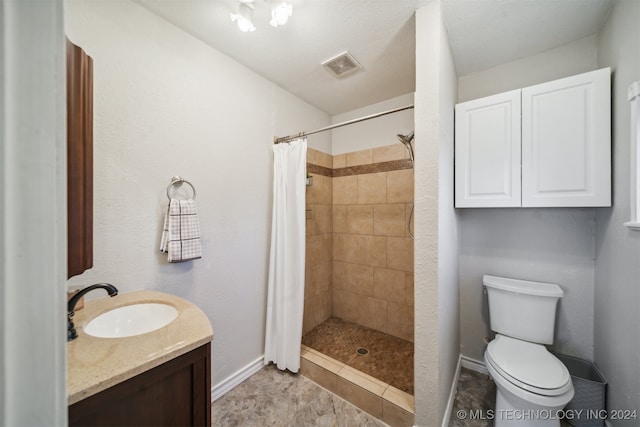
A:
(522, 309)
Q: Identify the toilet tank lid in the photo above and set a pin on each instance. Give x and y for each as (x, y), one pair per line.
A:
(523, 286)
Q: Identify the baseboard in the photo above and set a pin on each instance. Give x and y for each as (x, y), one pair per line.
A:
(474, 365)
(229, 383)
(452, 395)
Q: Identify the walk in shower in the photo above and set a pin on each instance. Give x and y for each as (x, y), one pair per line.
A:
(359, 261)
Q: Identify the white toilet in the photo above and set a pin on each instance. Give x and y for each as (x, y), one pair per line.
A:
(532, 384)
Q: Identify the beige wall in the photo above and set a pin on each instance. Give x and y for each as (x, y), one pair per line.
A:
(372, 251)
(372, 255)
(318, 292)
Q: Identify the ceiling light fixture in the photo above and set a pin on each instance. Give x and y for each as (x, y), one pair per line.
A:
(243, 17)
(280, 12)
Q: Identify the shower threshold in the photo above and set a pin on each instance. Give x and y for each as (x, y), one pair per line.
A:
(385, 402)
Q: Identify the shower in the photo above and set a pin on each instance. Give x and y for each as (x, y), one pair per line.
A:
(406, 140)
(342, 321)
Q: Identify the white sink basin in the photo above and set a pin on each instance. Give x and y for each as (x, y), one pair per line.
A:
(130, 320)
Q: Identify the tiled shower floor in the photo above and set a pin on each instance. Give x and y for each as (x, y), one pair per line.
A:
(389, 359)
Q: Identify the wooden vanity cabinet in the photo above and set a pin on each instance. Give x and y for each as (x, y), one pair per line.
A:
(176, 393)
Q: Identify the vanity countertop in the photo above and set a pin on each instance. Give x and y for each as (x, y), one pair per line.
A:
(95, 364)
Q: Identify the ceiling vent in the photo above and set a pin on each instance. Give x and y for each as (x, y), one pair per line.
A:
(342, 65)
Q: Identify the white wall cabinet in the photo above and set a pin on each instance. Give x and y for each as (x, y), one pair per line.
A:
(487, 151)
(544, 145)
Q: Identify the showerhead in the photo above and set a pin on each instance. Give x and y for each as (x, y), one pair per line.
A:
(406, 138)
(406, 141)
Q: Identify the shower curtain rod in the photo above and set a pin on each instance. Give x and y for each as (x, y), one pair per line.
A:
(277, 140)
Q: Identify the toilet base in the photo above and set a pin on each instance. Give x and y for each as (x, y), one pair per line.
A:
(508, 415)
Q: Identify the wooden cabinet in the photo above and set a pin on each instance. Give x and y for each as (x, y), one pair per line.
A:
(544, 145)
(79, 160)
(176, 393)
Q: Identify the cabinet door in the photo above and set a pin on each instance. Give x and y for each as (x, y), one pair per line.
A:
(566, 142)
(176, 393)
(79, 160)
(487, 151)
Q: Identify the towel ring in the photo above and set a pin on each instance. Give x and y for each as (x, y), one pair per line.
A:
(177, 181)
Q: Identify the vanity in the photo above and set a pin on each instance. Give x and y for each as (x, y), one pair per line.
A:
(158, 378)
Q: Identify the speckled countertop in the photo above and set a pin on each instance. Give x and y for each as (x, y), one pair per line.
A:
(95, 364)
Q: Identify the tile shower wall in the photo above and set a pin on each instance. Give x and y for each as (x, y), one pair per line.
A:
(318, 294)
(359, 254)
(372, 250)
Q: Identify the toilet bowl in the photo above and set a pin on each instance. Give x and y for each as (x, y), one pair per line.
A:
(532, 384)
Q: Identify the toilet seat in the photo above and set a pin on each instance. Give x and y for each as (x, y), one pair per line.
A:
(528, 366)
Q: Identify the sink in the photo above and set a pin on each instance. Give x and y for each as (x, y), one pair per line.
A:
(131, 320)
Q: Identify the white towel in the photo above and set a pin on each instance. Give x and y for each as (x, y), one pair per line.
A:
(181, 231)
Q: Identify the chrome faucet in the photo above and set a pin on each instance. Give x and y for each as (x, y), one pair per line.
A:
(71, 305)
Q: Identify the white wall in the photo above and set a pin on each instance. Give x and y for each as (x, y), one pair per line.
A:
(33, 255)
(166, 104)
(436, 242)
(372, 133)
(617, 283)
(426, 336)
(543, 244)
(448, 235)
(573, 58)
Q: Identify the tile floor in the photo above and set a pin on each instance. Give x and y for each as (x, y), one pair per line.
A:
(275, 398)
(388, 358)
(476, 394)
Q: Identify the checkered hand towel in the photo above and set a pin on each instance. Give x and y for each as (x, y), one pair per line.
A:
(181, 232)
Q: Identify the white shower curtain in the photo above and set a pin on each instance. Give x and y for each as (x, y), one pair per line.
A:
(285, 299)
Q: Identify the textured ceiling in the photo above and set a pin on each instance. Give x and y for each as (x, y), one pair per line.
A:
(485, 33)
(380, 34)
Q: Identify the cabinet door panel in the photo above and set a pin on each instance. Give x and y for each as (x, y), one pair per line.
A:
(176, 393)
(566, 142)
(79, 160)
(487, 151)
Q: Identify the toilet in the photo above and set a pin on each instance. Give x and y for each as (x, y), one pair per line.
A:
(532, 384)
